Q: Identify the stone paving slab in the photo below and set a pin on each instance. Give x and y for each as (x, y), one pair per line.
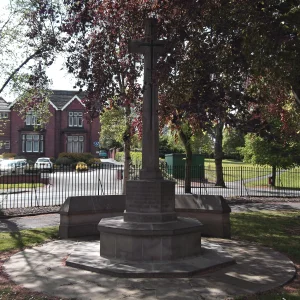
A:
(43, 269)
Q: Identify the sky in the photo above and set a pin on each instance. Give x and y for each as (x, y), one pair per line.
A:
(61, 80)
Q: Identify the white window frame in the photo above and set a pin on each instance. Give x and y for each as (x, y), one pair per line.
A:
(31, 118)
(32, 143)
(7, 145)
(75, 119)
(75, 143)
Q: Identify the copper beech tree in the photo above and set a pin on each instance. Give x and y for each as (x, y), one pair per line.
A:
(217, 50)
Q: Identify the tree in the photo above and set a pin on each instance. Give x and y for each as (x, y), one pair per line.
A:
(30, 37)
(275, 153)
(233, 139)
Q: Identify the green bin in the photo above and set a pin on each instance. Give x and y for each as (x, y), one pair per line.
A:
(176, 165)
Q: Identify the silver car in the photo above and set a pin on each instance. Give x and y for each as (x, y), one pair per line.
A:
(44, 164)
(15, 166)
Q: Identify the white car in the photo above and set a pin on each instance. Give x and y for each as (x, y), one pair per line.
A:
(44, 164)
(16, 166)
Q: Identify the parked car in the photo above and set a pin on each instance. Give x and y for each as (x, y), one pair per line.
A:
(16, 166)
(103, 153)
(44, 164)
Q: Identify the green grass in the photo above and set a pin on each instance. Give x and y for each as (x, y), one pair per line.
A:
(26, 238)
(234, 170)
(279, 230)
(21, 185)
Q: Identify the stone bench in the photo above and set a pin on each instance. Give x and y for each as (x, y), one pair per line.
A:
(79, 216)
(212, 211)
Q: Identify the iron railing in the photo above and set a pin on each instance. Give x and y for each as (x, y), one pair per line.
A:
(30, 187)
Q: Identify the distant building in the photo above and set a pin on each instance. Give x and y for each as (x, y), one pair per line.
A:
(67, 130)
(4, 126)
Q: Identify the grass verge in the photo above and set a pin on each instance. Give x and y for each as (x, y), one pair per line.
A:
(26, 238)
(12, 242)
(279, 230)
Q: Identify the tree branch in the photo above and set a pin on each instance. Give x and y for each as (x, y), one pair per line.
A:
(37, 52)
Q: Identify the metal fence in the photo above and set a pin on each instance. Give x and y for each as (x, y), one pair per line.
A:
(37, 188)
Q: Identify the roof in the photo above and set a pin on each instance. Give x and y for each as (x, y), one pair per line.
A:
(60, 98)
(4, 106)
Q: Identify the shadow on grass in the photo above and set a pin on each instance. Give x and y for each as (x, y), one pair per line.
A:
(14, 238)
(279, 230)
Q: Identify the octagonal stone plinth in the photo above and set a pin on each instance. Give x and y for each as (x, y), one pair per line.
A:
(148, 242)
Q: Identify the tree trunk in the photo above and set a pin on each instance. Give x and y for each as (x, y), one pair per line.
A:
(273, 176)
(188, 163)
(127, 142)
(219, 154)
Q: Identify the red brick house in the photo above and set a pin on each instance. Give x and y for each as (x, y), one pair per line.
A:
(4, 126)
(66, 131)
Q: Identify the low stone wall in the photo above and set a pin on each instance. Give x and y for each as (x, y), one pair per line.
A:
(212, 211)
(79, 216)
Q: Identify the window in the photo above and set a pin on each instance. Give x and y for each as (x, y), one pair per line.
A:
(31, 118)
(3, 115)
(32, 143)
(75, 119)
(75, 143)
(7, 145)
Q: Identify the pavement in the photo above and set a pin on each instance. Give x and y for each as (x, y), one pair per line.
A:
(43, 268)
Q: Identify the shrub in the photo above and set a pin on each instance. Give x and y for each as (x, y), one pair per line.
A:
(94, 162)
(8, 155)
(81, 166)
(76, 157)
(64, 161)
(136, 158)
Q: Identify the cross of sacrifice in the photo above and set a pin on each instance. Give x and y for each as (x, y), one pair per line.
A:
(151, 48)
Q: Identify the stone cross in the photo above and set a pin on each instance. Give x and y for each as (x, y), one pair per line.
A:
(151, 48)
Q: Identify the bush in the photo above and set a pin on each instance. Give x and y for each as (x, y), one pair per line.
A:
(65, 161)
(8, 155)
(81, 166)
(136, 157)
(76, 157)
(119, 156)
(94, 162)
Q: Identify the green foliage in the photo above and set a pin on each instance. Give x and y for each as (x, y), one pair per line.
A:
(260, 151)
(203, 143)
(8, 155)
(119, 156)
(136, 158)
(67, 158)
(232, 141)
(112, 127)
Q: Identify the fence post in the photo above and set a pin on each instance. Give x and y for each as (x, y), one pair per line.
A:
(241, 193)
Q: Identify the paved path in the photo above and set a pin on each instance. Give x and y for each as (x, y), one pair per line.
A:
(30, 222)
(43, 269)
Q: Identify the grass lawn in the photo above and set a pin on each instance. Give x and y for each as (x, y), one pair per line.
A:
(26, 238)
(279, 230)
(234, 170)
(289, 179)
